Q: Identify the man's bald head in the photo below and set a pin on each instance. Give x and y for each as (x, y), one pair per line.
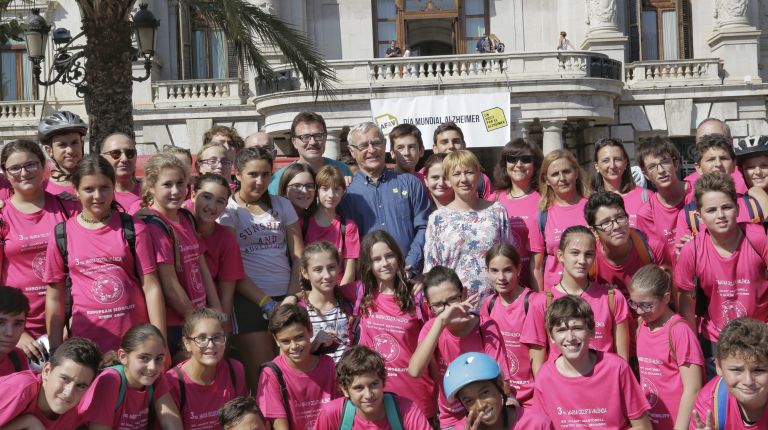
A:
(713, 126)
(260, 140)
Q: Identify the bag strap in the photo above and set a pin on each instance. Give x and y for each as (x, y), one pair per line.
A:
(347, 415)
(283, 388)
(304, 226)
(691, 220)
(129, 234)
(14, 360)
(644, 195)
(182, 390)
(641, 247)
(492, 303)
(526, 301)
(232, 374)
(172, 235)
(672, 351)
(392, 411)
(123, 384)
(611, 310)
(721, 405)
(60, 236)
(541, 221)
(753, 208)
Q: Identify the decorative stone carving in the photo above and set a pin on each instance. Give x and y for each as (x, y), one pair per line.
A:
(601, 14)
(731, 12)
(268, 6)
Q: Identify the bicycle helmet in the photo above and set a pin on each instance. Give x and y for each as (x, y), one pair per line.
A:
(58, 123)
(466, 369)
(750, 146)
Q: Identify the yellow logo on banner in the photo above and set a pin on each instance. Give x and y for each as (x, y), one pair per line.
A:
(494, 119)
(386, 123)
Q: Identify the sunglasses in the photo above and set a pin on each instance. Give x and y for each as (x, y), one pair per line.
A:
(525, 159)
(117, 153)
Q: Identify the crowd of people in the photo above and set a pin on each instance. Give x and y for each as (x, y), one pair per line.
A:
(215, 292)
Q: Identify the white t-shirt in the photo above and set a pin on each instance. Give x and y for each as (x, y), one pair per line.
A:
(262, 243)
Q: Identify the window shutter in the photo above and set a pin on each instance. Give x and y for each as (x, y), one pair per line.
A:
(685, 22)
(634, 31)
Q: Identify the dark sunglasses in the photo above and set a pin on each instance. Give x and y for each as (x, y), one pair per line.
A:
(117, 153)
(525, 159)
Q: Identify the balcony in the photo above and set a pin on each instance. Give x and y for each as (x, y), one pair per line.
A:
(674, 73)
(20, 113)
(199, 93)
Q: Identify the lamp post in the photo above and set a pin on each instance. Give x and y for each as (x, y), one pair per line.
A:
(68, 60)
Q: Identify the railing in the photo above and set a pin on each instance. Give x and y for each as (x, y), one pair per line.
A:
(20, 111)
(199, 93)
(674, 73)
(456, 69)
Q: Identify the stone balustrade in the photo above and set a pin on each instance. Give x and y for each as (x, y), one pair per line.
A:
(199, 93)
(673, 73)
(20, 113)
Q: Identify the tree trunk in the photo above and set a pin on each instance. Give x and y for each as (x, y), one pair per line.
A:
(108, 97)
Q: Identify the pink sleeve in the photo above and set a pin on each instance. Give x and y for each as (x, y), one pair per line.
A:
(54, 263)
(145, 250)
(684, 270)
(230, 260)
(634, 400)
(644, 218)
(620, 307)
(18, 394)
(330, 417)
(681, 227)
(162, 387)
(425, 330)
(351, 241)
(162, 244)
(268, 396)
(535, 238)
(413, 418)
(488, 188)
(686, 344)
(704, 401)
(171, 380)
(658, 251)
(534, 329)
(241, 386)
(98, 404)
(493, 344)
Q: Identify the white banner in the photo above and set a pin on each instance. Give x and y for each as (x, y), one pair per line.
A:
(484, 118)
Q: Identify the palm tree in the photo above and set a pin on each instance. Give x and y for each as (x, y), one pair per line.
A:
(108, 58)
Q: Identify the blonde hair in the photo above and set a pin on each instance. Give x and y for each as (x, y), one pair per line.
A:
(152, 170)
(460, 158)
(547, 193)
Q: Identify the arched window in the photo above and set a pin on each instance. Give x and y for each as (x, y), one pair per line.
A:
(660, 29)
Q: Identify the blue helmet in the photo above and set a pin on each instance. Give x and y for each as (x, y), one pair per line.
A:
(466, 369)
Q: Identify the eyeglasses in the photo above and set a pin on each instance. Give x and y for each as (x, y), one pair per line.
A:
(525, 159)
(665, 164)
(117, 153)
(371, 144)
(202, 340)
(30, 167)
(645, 307)
(318, 137)
(210, 162)
(609, 225)
(438, 307)
(299, 187)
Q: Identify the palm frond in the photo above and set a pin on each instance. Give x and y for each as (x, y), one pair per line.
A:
(244, 24)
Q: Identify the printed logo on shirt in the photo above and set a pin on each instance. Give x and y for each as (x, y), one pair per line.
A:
(107, 289)
(650, 391)
(38, 265)
(514, 364)
(196, 278)
(387, 346)
(733, 310)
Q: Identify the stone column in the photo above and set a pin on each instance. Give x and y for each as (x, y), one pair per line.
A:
(603, 34)
(332, 145)
(553, 135)
(735, 41)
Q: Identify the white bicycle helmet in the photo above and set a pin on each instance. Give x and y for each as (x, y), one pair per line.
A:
(58, 123)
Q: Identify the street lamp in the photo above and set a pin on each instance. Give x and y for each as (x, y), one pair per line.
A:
(68, 66)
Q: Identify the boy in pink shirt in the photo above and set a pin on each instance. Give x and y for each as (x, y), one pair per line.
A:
(582, 387)
(296, 384)
(407, 148)
(657, 218)
(241, 413)
(455, 329)
(365, 405)
(721, 272)
(14, 308)
(49, 400)
(738, 398)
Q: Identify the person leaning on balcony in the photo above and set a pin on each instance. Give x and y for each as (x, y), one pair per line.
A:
(393, 50)
(308, 136)
(119, 150)
(563, 44)
(483, 45)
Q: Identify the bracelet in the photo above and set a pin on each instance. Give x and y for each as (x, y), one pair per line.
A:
(264, 300)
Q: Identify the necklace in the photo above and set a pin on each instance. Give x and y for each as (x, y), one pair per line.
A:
(97, 220)
(589, 284)
(246, 202)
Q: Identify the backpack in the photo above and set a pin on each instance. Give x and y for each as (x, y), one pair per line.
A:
(390, 407)
(640, 246)
(492, 302)
(156, 219)
(283, 388)
(541, 222)
(183, 388)
(753, 209)
(720, 409)
(60, 235)
(123, 387)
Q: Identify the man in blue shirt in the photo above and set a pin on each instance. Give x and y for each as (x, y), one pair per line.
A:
(308, 134)
(380, 199)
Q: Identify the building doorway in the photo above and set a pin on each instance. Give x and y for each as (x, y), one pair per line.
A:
(431, 36)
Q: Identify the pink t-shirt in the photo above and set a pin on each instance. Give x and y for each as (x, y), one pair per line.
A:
(620, 275)
(705, 402)
(98, 404)
(559, 218)
(20, 391)
(523, 224)
(25, 250)
(107, 297)
(606, 398)
(485, 337)
(6, 190)
(348, 246)
(510, 319)
(681, 226)
(531, 419)
(222, 255)
(395, 335)
(190, 249)
(535, 330)
(6, 365)
(660, 367)
(736, 175)
(736, 285)
(307, 391)
(331, 414)
(56, 189)
(633, 201)
(659, 221)
(128, 198)
(201, 407)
